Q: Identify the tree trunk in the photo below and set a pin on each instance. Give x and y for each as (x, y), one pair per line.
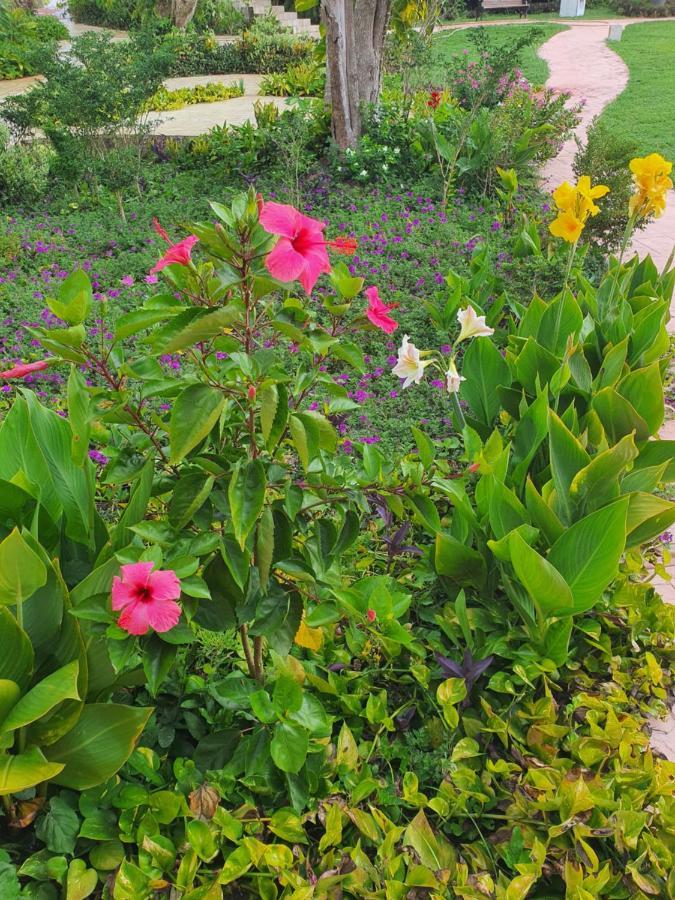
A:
(355, 33)
(180, 11)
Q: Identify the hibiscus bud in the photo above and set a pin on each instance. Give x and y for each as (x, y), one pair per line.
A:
(204, 802)
(371, 615)
(259, 202)
(251, 393)
(474, 467)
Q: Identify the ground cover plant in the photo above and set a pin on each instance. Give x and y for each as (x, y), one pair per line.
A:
(633, 115)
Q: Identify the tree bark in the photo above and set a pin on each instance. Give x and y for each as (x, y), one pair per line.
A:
(355, 34)
(179, 11)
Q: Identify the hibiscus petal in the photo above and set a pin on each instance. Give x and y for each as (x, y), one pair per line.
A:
(284, 263)
(137, 574)
(164, 585)
(122, 594)
(316, 263)
(163, 615)
(279, 218)
(134, 617)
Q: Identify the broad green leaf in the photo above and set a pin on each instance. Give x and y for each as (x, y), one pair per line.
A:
(22, 571)
(189, 495)
(618, 416)
(140, 319)
(289, 746)
(506, 512)
(458, 562)
(561, 321)
(193, 326)
(195, 411)
(567, 458)
(433, 850)
(543, 582)
(52, 690)
(25, 770)
(246, 496)
(273, 413)
(9, 695)
(643, 388)
(588, 553)
(541, 513)
(598, 482)
(485, 370)
(75, 297)
(98, 745)
(648, 516)
(16, 652)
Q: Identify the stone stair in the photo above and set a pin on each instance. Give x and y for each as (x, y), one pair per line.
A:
(290, 19)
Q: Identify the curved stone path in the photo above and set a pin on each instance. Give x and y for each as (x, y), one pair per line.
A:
(581, 62)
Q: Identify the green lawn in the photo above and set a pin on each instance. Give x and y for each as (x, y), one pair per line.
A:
(645, 111)
(594, 12)
(534, 68)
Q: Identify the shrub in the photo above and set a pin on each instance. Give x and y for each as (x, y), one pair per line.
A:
(24, 169)
(201, 54)
(165, 99)
(605, 157)
(23, 37)
(303, 80)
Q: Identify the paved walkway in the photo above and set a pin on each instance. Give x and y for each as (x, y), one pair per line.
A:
(598, 80)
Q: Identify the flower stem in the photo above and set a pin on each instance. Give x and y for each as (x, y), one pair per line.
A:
(458, 411)
(570, 260)
(630, 225)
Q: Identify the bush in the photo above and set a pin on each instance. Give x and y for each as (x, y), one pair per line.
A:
(304, 80)
(165, 99)
(605, 157)
(24, 169)
(23, 40)
(381, 667)
(642, 8)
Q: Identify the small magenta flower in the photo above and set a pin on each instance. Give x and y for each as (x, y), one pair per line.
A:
(147, 599)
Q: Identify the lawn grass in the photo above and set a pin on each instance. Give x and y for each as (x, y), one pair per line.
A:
(594, 12)
(645, 111)
(453, 42)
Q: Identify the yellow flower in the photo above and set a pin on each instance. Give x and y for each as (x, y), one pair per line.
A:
(575, 204)
(588, 194)
(567, 226)
(650, 176)
(565, 197)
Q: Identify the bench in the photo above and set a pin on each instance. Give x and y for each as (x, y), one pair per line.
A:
(521, 5)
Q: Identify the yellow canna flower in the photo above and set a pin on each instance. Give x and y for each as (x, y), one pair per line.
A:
(575, 204)
(567, 226)
(650, 177)
(565, 197)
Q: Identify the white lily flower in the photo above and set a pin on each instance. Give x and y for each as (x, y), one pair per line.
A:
(409, 366)
(453, 378)
(472, 324)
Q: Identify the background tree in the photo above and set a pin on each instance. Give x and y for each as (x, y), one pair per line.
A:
(179, 11)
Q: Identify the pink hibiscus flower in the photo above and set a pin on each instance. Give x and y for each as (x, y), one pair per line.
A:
(300, 253)
(377, 311)
(180, 253)
(23, 369)
(147, 599)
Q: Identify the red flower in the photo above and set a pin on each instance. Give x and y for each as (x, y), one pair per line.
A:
(147, 599)
(435, 98)
(371, 615)
(24, 369)
(346, 246)
(377, 311)
(300, 253)
(180, 253)
(161, 231)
